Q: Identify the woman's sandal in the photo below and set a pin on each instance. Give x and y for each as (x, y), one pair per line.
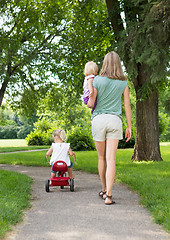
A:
(112, 202)
(101, 193)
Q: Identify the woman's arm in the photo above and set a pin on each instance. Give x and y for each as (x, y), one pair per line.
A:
(128, 113)
(92, 99)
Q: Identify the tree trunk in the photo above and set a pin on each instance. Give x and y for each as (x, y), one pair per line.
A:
(2, 90)
(147, 126)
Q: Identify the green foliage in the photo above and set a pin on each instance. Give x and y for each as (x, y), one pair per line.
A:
(13, 125)
(143, 44)
(15, 195)
(24, 131)
(38, 43)
(29, 38)
(164, 115)
(13, 131)
(87, 37)
(8, 132)
(81, 139)
(42, 133)
(6, 116)
(68, 110)
(35, 138)
(70, 115)
(53, 45)
(124, 144)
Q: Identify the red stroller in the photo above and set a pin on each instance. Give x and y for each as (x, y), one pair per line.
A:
(60, 168)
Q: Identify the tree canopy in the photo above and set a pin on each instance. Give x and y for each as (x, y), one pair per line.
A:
(43, 39)
(29, 32)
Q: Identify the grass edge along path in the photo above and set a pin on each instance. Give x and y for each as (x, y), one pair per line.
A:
(14, 198)
(19, 149)
(151, 180)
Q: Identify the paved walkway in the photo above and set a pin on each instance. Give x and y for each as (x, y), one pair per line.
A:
(82, 215)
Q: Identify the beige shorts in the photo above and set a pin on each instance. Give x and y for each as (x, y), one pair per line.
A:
(106, 126)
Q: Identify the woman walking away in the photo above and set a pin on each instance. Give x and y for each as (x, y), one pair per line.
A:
(109, 87)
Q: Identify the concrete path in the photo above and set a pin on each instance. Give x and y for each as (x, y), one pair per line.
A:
(82, 215)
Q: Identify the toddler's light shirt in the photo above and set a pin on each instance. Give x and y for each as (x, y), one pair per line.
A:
(86, 91)
(60, 152)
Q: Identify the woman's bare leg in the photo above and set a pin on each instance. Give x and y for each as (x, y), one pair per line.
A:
(101, 147)
(111, 148)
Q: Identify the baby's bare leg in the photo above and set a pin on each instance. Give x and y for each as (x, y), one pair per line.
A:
(53, 174)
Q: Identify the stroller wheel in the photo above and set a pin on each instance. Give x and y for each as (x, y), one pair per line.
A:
(72, 185)
(47, 186)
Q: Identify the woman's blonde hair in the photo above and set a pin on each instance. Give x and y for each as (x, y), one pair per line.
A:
(61, 134)
(112, 67)
(90, 68)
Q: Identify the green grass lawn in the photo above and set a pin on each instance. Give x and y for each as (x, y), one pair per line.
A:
(14, 149)
(12, 145)
(14, 197)
(151, 180)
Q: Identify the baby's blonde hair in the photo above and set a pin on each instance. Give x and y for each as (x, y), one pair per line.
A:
(112, 67)
(90, 68)
(61, 134)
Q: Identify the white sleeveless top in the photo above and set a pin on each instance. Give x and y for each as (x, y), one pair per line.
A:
(60, 152)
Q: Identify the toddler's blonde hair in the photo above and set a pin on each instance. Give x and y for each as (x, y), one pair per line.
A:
(61, 134)
(90, 68)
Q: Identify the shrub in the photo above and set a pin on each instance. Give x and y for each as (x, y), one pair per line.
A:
(24, 131)
(35, 138)
(42, 133)
(13, 131)
(164, 127)
(80, 139)
(39, 138)
(8, 132)
(124, 144)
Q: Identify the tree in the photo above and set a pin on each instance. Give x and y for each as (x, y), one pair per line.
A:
(88, 37)
(38, 42)
(141, 32)
(85, 34)
(29, 33)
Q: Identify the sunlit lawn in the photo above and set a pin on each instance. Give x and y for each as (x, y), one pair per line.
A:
(13, 143)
